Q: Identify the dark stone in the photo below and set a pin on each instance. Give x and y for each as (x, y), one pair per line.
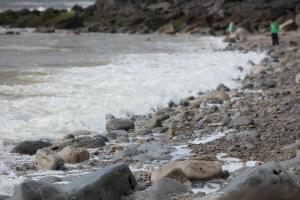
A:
(36, 190)
(30, 147)
(222, 87)
(120, 124)
(108, 183)
(269, 174)
(161, 189)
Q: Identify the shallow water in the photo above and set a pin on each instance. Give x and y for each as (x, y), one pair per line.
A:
(51, 85)
(42, 4)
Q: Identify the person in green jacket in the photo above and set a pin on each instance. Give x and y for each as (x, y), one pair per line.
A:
(275, 31)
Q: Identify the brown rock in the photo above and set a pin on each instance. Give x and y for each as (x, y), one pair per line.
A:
(72, 155)
(193, 169)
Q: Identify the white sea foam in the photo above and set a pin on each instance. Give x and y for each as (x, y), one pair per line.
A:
(208, 138)
(79, 98)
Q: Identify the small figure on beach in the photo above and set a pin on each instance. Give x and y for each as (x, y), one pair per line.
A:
(275, 31)
(231, 28)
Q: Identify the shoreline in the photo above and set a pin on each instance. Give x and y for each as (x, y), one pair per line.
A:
(265, 121)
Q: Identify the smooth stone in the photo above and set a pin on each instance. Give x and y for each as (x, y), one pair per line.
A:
(118, 133)
(192, 169)
(161, 189)
(222, 87)
(88, 142)
(30, 147)
(38, 190)
(47, 159)
(119, 124)
(269, 174)
(109, 183)
(74, 155)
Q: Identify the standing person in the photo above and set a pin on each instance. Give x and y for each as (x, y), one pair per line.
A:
(231, 28)
(275, 31)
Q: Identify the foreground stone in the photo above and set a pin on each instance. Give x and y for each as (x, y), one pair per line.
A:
(110, 183)
(36, 190)
(30, 147)
(73, 155)
(161, 190)
(48, 160)
(119, 124)
(190, 169)
(269, 174)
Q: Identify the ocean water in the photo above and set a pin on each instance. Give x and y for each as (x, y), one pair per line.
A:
(53, 84)
(42, 4)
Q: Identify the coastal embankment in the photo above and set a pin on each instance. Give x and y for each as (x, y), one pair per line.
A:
(148, 16)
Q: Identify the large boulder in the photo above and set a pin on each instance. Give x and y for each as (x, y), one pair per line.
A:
(36, 190)
(119, 124)
(269, 174)
(108, 183)
(81, 142)
(47, 159)
(192, 169)
(161, 190)
(30, 147)
(74, 155)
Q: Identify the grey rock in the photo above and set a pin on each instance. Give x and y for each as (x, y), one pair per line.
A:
(51, 179)
(241, 121)
(156, 149)
(30, 147)
(108, 183)
(130, 152)
(37, 190)
(4, 197)
(154, 122)
(243, 135)
(222, 87)
(122, 139)
(118, 133)
(81, 142)
(160, 130)
(268, 174)
(161, 190)
(119, 124)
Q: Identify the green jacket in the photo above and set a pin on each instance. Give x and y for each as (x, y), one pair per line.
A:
(275, 27)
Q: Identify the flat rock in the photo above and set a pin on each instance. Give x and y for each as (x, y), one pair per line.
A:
(108, 183)
(37, 190)
(241, 121)
(81, 142)
(156, 150)
(192, 169)
(74, 155)
(268, 174)
(30, 147)
(119, 124)
(161, 189)
(51, 179)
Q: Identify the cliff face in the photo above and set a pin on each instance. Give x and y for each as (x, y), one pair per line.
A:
(170, 16)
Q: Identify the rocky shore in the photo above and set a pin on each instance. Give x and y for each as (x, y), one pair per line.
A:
(242, 141)
(148, 16)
